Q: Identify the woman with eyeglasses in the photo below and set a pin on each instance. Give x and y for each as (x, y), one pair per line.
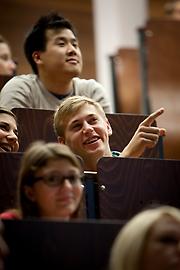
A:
(49, 184)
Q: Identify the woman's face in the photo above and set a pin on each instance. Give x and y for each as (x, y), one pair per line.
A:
(162, 251)
(58, 190)
(8, 133)
(7, 65)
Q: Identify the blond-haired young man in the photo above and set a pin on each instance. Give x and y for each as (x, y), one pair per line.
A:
(81, 123)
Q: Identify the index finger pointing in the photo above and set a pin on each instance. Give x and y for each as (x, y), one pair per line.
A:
(152, 117)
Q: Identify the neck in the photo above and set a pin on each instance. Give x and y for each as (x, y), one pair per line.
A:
(57, 84)
(90, 163)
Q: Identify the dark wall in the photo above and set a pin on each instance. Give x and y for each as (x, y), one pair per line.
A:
(17, 16)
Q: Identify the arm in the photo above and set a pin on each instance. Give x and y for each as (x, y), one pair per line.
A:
(145, 136)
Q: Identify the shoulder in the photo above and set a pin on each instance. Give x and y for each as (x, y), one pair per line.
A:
(20, 80)
(23, 78)
(92, 89)
(91, 83)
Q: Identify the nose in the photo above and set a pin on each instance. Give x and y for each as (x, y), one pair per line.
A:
(12, 66)
(87, 128)
(12, 136)
(71, 48)
(67, 183)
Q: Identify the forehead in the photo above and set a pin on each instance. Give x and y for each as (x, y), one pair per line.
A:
(59, 33)
(4, 117)
(166, 224)
(60, 164)
(85, 111)
(4, 48)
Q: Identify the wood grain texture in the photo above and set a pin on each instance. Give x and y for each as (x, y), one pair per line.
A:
(132, 185)
(9, 168)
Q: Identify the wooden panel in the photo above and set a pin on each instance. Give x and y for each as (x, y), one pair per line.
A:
(127, 80)
(9, 168)
(18, 16)
(133, 184)
(34, 124)
(124, 127)
(59, 245)
(162, 39)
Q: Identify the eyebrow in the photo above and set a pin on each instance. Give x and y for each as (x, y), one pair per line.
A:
(8, 125)
(5, 123)
(65, 38)
(77, 120)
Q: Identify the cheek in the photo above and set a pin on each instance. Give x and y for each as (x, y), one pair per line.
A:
(2, 134)
(78, 191)
(16, 147)
(73, 140)
(43, 194)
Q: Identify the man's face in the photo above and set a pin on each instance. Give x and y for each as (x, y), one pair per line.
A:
(62, 55)
(87, 133)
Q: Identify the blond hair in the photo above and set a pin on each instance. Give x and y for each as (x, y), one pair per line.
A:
(128, 246)
(68, 108)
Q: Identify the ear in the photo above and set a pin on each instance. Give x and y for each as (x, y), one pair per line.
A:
(36, 57)
(29, 192)
(109, 127)
(61, 140)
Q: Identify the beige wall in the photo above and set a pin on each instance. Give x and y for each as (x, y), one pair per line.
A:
(17, 16)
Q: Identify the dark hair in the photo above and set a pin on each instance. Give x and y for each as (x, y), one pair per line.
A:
(36, 38)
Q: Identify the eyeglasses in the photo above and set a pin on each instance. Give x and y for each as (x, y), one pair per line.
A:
(54, 180)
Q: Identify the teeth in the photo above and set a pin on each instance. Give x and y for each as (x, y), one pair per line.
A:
(92, 140)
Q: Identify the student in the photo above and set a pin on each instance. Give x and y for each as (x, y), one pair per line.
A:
(172, 9)
(150, 240)
(81, 123)
(8, 131)
(7, 65)
(49, 184)
(52, 49)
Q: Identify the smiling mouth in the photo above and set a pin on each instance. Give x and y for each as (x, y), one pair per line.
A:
(6, 148)
(92, 140)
